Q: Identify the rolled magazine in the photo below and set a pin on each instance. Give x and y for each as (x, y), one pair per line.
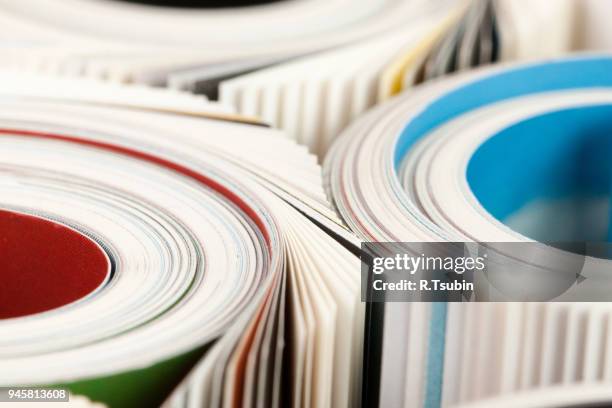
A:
(194, 240)
(509, 157)
(307, 67)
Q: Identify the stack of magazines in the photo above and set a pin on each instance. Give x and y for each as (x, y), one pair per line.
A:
(194, 198)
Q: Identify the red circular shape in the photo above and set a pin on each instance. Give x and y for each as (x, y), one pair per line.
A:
(45, 265)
